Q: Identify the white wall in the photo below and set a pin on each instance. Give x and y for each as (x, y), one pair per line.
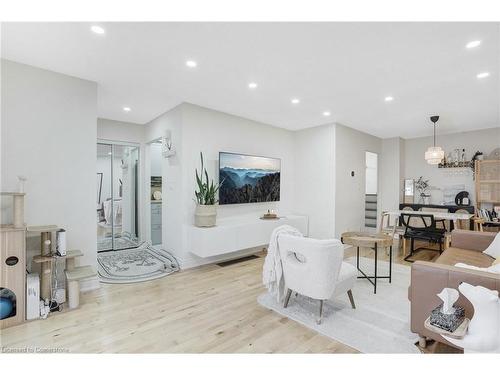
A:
(415, 165)
(308, 174)
(350, 148)
(49, 135)
(315, 179)
(172, 189)
(119, 131)
(391, 173)
(156, 159)
(371, 173)
(211, 131)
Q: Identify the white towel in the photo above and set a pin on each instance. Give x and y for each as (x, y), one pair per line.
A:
(107, 211)
(272, 274)
(117, 208)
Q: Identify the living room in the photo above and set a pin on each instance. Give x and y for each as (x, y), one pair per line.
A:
(338, 194)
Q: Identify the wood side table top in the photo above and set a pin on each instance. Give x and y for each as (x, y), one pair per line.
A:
(459, 333)
(365, 239)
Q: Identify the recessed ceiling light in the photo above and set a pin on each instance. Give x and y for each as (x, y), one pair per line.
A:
(388, 98)
(295, 101)
(126, 109)
(252, 85)
(110, 153)
(97, 29)
(473, 44)
(191, 63)
(483, 75)
(326, 113)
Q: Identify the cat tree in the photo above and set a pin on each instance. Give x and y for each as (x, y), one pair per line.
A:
(13, 261)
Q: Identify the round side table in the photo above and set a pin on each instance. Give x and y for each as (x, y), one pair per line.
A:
(372, 241)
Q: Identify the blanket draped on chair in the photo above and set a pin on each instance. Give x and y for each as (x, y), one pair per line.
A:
(272, 275)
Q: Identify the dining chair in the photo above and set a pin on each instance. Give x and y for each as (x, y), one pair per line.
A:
(427, 231)
(393, 229)
(439, 222)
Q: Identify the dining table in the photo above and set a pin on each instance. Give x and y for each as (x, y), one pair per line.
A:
(452, 216)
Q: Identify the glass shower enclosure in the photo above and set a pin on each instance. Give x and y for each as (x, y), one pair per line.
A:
(117, 196)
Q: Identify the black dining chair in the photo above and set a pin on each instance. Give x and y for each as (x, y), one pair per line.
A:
(425, 230)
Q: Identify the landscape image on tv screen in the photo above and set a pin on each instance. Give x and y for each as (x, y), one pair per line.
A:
(248, 179)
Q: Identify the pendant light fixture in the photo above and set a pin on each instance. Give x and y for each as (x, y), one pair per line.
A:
(434, 155)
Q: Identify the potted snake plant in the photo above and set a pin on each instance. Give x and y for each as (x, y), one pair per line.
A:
(206, 198)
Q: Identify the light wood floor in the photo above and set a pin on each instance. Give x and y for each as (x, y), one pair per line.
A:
(209, 309)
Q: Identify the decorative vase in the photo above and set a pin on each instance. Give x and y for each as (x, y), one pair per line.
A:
(205, 215)
(424, 198)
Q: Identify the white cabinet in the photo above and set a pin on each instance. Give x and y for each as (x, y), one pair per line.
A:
(240, 233)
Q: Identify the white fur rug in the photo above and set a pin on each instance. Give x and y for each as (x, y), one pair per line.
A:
(380, 322)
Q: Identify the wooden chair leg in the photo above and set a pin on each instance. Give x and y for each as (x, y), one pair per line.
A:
(422, 342)
(320, 311)
(351, 298)
(287, 297)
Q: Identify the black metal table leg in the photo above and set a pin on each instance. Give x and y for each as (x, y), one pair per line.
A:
(375, 278)
(390, 264)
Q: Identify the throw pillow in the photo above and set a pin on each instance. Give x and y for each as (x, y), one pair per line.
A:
(494, 249)
(492, 268)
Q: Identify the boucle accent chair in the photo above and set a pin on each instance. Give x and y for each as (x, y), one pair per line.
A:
(315, 268)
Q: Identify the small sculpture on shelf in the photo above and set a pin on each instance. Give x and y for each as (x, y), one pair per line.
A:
(270, 214)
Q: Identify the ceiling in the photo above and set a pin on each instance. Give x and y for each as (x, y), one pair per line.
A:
(344, 68)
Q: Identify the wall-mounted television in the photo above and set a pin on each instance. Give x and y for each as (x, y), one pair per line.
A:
(248, 178)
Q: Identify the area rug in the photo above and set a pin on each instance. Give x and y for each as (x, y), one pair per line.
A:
(118, 243)
(135, 265)
(380, 322)
(426, 255)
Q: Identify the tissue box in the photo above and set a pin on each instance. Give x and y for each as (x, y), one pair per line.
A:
(448, 322)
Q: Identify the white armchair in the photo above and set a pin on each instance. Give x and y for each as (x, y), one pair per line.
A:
(315, 268)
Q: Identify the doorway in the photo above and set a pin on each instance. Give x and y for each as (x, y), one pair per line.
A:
(371, 189)
(155, 194)
(117, 212)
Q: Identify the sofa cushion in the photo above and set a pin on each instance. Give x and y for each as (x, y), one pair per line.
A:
(455, 255)
(472, 240)
(495, 268)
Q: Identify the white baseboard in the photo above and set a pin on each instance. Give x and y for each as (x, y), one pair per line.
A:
(194, 261)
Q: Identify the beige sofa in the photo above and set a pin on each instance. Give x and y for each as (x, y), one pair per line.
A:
(428, 279)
